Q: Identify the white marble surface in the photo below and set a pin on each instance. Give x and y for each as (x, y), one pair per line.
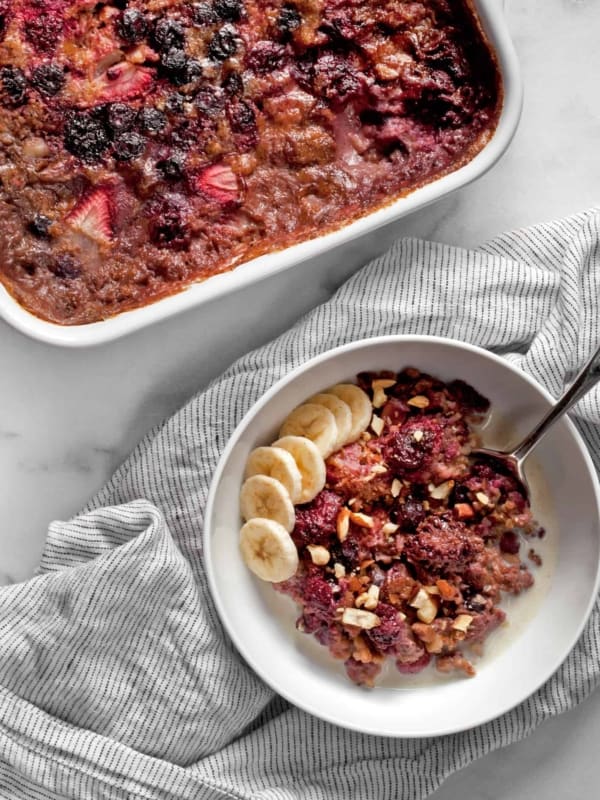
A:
(68, 418)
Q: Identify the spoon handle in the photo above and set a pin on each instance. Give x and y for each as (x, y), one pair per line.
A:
(585, 379)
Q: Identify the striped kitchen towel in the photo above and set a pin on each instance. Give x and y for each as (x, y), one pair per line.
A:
(116, 679)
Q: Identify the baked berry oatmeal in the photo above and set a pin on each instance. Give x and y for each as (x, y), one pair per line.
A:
(407, 544)
(152, 143)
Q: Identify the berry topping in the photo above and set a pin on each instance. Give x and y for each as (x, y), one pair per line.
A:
(209, 101)
(85, 136)
(174, 103)
(228, 10)
(13, 88)
(233, 84)
(203, 14)
(40, 226)
(266, 56)
(289, 19)
(48, 79)
(219, 182)
(65, 267)
(223, 44)
(242, 120)
(129, 145)
(173, 60)
(42, 24)
(168, 33)
(132, 26)
(93, 215)
(171, 168)
(151, 120)
(120, 117)
(167, 223)
(124, 81)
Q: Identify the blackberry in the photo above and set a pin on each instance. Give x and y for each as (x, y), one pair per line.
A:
(13, 86)
(128, 146)
(65, 267)
(151, 120)
(209, 101)
(171, 168)
(266, 57)
(203, 14)
(48, 79)
(120, 117)
(132, 26)
(168, 33)
(174, 103)
(40, 226)
(173, 60)
(233, 84)
(85, 136)
(228, 10)
(192, 71)
(289, 19)
(223, 44)
(167, 225)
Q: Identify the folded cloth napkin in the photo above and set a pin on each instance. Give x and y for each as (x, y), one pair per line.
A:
(116, 679)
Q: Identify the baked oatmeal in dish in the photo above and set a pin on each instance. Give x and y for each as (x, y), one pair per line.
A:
(407, 546)
(148, 144)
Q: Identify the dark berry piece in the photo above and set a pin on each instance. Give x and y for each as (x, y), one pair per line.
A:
(168, 33)
(48, 79)
(167, 224)
(173, 60)
(408, 515)
(203, 14)
(242, 121)
(65, 267)
(151, 120)
(223, 44)
(174, 104)
(40, 226)
(171, 168)
(14, 86)
(132, 26)
(289, 19)
(44, 30)
(192, 71)
(128, 146)
(85, 136)
(209, 101)
(228, 10)
(266, 57)
(120, 117)
(233, 84)
(509, 542)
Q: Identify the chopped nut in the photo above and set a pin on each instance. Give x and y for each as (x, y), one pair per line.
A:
(418, 401)
(377, 424)
(353, 501)
(396, 487)
(464, 511)
(483, 498)
(365, 436)
(362, 520)
(378, 469)
(462, 622)
(432, 589)
(379, 395)
(389, 528)
(418, 435)
(372, 597)
(360, 618)
(361, 599)
(442, 491)
(343, 523)
(319, 555)
(426, 606)
(339, 570)
(435, 645)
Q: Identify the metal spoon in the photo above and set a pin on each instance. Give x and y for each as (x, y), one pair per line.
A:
(512, 460)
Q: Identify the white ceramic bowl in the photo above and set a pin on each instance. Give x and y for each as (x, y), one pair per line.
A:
(544, 623)
(493, 20)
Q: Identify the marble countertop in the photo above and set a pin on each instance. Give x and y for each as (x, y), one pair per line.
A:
(68, 418)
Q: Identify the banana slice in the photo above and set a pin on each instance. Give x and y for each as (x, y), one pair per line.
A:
(316, 423)
(310, 463)
(275, 462)
(341, 413)
(262, 496)
(360, 407)
(268, 550)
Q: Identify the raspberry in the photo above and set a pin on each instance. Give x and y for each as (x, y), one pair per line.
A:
(266, 57)
(316, 521)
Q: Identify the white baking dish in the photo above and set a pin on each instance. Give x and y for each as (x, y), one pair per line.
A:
(493, 20)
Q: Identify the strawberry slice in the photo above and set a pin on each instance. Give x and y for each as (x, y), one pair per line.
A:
(219, 182)
(122, 81)
(93, 215)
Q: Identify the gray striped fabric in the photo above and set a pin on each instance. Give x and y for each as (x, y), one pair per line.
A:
(116, 678)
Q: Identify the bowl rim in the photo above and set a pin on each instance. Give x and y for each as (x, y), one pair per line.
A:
(207, 535)
(493, 19)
